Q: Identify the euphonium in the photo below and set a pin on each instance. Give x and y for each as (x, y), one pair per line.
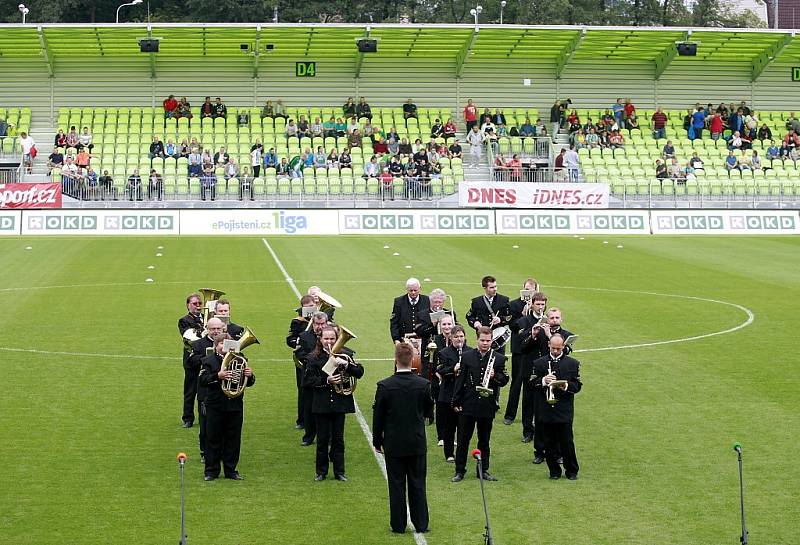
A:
(348, 383)
(236, 362)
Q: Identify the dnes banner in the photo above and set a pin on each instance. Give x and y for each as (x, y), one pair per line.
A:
(532, 195)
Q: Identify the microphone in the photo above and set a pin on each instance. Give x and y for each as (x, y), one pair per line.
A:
(181, 458)
(737, 446)
(476, 453)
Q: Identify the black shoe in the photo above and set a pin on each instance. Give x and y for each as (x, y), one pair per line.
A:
(555, 477)
(457, 478)
(320, 477)
(398, 531)
(299, 427)
(572, 477)
(188, 424)
(234, 476)
(538, 460)
(508, 421)
(560, 460)
(306, 443)
(341, 477)
(527, 438)
(488, 476)
(208, 477)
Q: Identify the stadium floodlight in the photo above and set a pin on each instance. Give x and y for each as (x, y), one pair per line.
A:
(24, 11)
(475, 12)
(135, 2)
(502, 7)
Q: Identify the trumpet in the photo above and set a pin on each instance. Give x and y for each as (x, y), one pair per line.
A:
(551, 394)
(484, 390)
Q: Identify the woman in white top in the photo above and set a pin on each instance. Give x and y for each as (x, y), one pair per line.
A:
(256, 157)
(27, 142)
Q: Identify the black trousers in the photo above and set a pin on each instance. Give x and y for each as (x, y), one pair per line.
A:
(401, 472)
(309, 419)
(447, 418)
(201, 416)
(516, 386)
(330, 442)
(189, 392)
(298, 377)
(466, 426)
(223, 440)
(558, 440)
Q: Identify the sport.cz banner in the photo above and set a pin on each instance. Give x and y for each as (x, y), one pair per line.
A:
(30, 196)
(532, 195)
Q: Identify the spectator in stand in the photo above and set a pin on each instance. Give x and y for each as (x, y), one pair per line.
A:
(793, 123)
(751, 125)
(698, 124)
(618, 112)
(303, 129)
(184, 109)
(764, 133)
(409, 110)
(669, 150)
(171, 150)
(572, 162)
(731, 162)
(280, 109)
(207, 108)
(716, 125)
(363, 109)
(257, 158)
(195, 167)
(628, 110)
(592, 140)
(156, 148)
(423, 179)
(170, 107)
(514, 166)
(405, 149)
(488, 125)
(387, 184)
(755, 161)
(345, 160)
(320, 159)
(491, 139)
(349, 108)
(329, 128)
(85, 140)
(498, 117)
(773, 151)
(3, 127)
(369, 131)
(661, 170)
(395, 167)
(352, 125)
(559, 174)
(616, 140)
(450, 128)
(340, 127)
(354, 140)
(470, 115)
(55, 160)
(221, 158)
(243, 118)
(231, 169)
(659, 120)
(695, 162)
(61, 139)
(208, 183)
(632, 122)
(291, 130)
(437, 130)
(72, 138)
(527, 130)
(735, 141)
(307, 158)
(219, 109)
(155, 186)
(270, 159)
(380, 146)
(411, 182)
(455, 150)
(573, 121)
(555, 117)
(106, 183)
(333, 159)
(500, 167)
(184, 149)
(69, 173)
(83, 158)
(316, 129)
(267, 111)
(283, 168)
(578, 139)
(790, 142)
(372, 168)
(134, 186)
(675, 170)
(736, 121)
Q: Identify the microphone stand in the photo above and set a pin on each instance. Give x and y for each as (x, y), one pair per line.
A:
(743, 537)
(183, 513)
(487, 537)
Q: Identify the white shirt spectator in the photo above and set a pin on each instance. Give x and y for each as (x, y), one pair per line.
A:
(571, 160)
(27, 143)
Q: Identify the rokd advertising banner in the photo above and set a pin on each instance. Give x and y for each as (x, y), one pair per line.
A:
(259, 222)
(10, 223)
(100, 222)
(532, 195)
(414, 222)
(540, 222)
(731, 222)
(30, 196)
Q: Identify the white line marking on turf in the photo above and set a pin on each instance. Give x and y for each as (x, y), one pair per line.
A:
(419, 538)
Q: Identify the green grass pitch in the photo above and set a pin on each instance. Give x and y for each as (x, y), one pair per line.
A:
(91, 391)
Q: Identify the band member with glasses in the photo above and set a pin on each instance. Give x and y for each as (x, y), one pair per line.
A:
(482, 370)
(200, 349)
(224, 415)
(447, 371)
(402, 404)
(300, 324)
(307, 342)
(555, 406)
(329, 406)
(490, 309)
(520, 310)
(190, 326)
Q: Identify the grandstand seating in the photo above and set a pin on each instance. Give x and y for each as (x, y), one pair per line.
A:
(19, 120)
(122, 137)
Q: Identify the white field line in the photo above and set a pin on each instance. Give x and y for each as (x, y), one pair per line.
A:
(419, 538)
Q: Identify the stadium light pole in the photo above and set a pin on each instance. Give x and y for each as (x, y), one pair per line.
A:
(475, 12)
(24, 11)
(135, 2)
(502, 7)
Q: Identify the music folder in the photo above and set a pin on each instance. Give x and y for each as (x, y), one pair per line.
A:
(230, 344)
(437, 315)
(526, 295)
(570, 340)
(330, 366)
(308, 312)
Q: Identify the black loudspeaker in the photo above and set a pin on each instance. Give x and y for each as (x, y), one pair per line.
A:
(367, 46)
(687, 49)
(148, 46)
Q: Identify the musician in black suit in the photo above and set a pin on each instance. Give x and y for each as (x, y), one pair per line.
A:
(190, 327)
(329, 406)
(520, 310)
(406, 311)
(298, 325)
(224, 416)
(314, 292)
(532, 346)
(490, 309)
(222, 310)
(402, 403)
(307, 342)
(200, 349)
(430, 362)
(449, 367)
(555, 419)
(475, 409)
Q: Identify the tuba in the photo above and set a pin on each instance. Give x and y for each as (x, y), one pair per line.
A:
(236, 362)
(209, 295)
(348, 384)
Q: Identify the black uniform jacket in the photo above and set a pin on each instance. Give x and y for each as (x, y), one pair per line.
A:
(189, 321)
(326, 400)
(565, 368)
(402, 403)
(479, 312)
(404, 318)
(209, 378)
(448, 358)
(471, 375)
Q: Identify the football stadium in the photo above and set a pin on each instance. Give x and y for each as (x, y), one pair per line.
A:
(257, 275)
